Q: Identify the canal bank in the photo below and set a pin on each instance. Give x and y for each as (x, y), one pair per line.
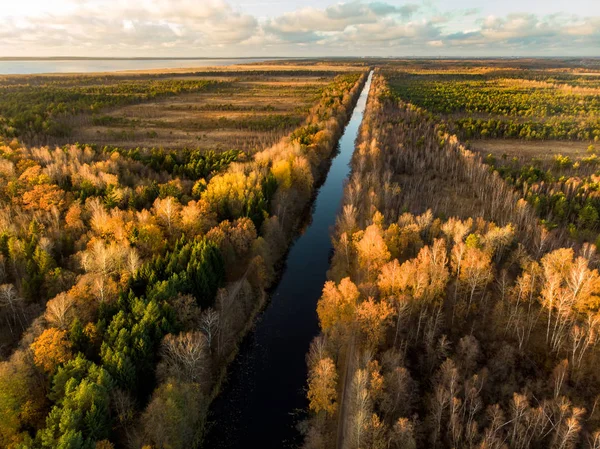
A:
(264, 397)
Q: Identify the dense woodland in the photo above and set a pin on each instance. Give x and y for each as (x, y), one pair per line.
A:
(452, 318)
(463, 301)
(127, 277)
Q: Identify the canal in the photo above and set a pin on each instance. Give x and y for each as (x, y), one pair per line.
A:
(264, 398)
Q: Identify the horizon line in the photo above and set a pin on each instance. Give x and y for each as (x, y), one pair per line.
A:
(181, 58)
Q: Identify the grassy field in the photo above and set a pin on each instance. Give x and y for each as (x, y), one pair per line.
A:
(543, 150)
(242, 113)
(248, 107)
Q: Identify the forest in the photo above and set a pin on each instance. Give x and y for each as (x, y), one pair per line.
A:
(453, 316)
(129, 275)
(146, 218)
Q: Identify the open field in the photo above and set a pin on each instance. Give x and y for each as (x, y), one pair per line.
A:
(543, 150)
(243, 113)
(246, 107)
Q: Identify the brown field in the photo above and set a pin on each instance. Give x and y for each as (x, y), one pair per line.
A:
(252, 106)
(249, 113)
(544, 150)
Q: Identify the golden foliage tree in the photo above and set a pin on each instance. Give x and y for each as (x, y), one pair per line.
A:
(373, 317)
(373, 253)
(337, 304)
(322, 383)
(51, 349)
(43, 197)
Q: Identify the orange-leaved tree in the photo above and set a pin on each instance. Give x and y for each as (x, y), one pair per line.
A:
(51, 349)
(322, 384)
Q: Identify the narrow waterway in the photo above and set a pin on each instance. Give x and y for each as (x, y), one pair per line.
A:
(264, 398)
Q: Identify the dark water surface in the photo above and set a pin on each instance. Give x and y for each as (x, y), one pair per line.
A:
(264, 398)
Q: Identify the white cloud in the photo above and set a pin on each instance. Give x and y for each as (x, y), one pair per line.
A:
(106, 25)
(216, 28)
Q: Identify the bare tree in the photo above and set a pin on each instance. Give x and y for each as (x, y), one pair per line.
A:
(361, 407)
(568, 433)
(186, 355)
(318, 351)
(594, 440)
(13, 304)
(209, 323)
(559, 376)
(167, 211)
(59, 310)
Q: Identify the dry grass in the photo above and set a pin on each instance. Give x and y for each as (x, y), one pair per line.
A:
(543, 150)
(256, 67)
(249, 113)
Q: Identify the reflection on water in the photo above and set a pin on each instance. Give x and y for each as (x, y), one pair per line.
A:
(110, 65)
(264, 398)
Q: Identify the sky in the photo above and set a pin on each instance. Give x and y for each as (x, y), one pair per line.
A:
(234, 28)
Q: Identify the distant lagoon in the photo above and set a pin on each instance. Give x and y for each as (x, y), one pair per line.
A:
(32, 66)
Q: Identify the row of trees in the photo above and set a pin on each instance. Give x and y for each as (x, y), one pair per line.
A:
(448, 332)
(551, 129)
(152, 265)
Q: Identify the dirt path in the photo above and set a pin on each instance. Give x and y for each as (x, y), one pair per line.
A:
(344, 400)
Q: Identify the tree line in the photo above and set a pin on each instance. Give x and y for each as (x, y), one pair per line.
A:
(130, 275)
(454, 322)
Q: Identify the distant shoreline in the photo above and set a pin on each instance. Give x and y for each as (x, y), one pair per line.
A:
(270, 58)
(84, 58)
(54, 65)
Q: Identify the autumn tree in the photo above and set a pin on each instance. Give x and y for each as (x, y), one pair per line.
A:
(569, 289)
(372, 250)
(372, 318)
(322, 384)
(337, 304)
(22, 399)
(174, 416)
(43, 197)
(474, 271)
(404, 434)
(51, 349)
